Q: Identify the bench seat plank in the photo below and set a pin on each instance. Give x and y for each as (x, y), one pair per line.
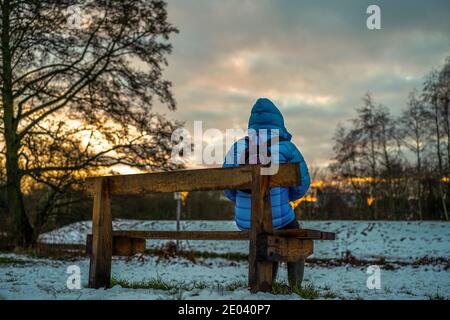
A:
(221, 235)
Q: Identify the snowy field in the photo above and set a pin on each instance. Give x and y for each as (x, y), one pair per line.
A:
(402, 244)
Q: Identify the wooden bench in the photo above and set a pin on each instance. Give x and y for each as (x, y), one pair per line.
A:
(265, 244)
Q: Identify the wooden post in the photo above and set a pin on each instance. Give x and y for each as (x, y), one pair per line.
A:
(260, 272)
(100, 263)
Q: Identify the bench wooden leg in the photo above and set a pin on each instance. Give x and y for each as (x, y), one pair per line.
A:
(260, 272)
(100, 261)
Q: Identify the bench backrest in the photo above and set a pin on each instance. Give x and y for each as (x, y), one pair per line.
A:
(198, 180)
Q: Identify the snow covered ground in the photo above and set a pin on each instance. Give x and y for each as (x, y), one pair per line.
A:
(402, 243)
(46, 279)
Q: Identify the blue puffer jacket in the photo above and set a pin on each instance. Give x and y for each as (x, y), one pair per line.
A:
(265, 115)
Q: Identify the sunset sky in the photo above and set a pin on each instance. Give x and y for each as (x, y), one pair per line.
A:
(314, 59)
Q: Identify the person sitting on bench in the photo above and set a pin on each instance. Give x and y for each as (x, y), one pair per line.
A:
(265, 119)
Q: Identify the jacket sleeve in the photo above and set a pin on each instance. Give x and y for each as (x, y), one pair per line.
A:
(230, 161)
(298, 192)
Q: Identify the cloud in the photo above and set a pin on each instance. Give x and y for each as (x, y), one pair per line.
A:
(314, 59)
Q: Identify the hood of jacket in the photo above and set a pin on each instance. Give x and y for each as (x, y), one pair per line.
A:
(265, 115)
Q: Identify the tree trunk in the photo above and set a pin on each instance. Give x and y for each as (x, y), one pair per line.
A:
(23, 231)
(389, 180)
(439, 155)
(374, 174)
(419, 175)
(447, 169)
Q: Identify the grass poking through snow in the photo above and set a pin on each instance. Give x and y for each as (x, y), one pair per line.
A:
(13, 261)
(238, 284)
(436, 296)
(307, 291)
(159, 284)
(177, 288)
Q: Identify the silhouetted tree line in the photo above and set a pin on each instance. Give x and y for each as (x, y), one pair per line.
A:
(387, 167)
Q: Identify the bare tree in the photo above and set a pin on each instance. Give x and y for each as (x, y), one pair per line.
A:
(366, 132)
(389, 145)
(77, 97)
(415, 133)
(436, 93)
(369, 150)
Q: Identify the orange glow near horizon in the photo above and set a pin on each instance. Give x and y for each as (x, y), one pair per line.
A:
(184, 195)
(370, 201)
(307, 198)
